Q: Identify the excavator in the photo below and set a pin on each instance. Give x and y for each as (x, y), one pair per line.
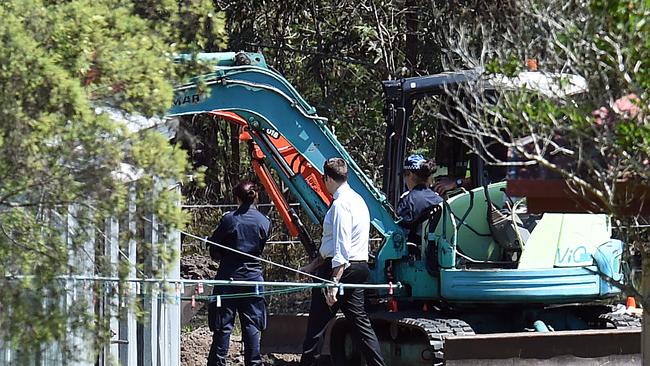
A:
(529, 287)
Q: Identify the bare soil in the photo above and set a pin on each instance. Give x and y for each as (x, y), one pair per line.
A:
(196, 337)
(195, 346)
(197, 266)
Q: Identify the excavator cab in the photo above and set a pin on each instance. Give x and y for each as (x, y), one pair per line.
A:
(481, 241)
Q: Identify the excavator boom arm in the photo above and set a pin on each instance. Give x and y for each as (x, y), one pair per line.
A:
(274, 110)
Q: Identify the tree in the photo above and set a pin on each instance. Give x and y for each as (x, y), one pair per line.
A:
(598, 140)
(64, 64)
(338, 62)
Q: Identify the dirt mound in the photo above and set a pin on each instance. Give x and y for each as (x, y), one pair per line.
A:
(195, 346)
(198, 267)
(197, 337)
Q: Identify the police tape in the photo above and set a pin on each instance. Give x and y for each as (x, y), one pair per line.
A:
(211, 298)
(124, 289)
(238, 283)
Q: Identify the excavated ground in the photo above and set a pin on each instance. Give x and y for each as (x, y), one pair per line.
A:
(196, 337)
(195, 346)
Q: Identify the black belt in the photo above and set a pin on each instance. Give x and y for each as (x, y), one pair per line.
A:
(361, 261)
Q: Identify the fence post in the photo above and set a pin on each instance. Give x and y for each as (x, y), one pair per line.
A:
(81, 260)
(53, 352)
(173, 318)
(150, 328)
(5, 354)
(111, 301)
(128, 352)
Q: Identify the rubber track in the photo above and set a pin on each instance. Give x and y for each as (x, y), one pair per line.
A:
(437, 330)
(620, 321)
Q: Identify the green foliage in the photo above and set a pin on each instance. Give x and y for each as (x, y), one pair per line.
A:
(601, 134)
(63, 66)
(509, 67)
(338, 62)
(336, 53)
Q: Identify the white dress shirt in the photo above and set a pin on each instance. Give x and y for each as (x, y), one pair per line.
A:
(346, 228)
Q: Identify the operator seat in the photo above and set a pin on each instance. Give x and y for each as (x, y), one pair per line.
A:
(429, 249)
(417, 229)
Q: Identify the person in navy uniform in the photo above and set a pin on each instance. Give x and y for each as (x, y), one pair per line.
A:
(246, 230)
(419, 199)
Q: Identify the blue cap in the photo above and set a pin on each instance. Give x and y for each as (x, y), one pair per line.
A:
(414, 162)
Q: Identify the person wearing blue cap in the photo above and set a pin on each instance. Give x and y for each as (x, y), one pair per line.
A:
(420, 198)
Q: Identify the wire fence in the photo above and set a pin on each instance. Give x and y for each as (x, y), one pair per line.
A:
(234, 205)
(150, 338)
(144, 326)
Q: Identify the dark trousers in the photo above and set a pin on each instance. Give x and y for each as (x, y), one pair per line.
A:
(352, 305)
(252, 317)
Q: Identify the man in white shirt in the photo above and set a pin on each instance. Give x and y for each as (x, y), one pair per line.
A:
(343, 258)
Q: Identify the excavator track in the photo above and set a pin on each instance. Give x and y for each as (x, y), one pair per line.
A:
(421, 339)
(418, 339)
(436, 331)
(413, 339)
(619, 321)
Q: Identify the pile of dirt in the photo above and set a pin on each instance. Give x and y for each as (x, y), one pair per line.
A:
(197, 337)
(197, 266)
(195, 346)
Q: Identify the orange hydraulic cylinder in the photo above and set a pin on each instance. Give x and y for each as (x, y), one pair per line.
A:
(276, 196)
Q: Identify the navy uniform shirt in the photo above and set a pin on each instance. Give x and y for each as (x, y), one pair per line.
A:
(412, 205)
(246, 230)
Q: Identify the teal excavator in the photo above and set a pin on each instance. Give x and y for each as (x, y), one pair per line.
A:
(535, 287)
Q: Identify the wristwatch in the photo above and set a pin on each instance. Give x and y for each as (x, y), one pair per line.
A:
(459, 182)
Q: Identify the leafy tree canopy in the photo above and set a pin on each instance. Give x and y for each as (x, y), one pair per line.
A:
(595, 137)
(63, 66)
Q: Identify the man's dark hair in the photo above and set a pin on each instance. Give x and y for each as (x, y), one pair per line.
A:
(337, 169)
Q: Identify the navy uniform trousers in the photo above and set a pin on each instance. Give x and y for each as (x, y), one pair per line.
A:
(352, 306)
(252, 317)
(246, 230)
